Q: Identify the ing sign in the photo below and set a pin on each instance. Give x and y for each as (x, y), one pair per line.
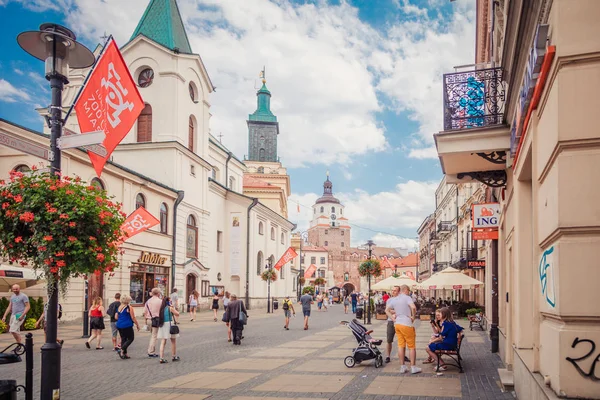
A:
(486, 215)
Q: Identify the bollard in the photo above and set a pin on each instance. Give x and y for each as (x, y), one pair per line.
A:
(8, 389)
(29, 366)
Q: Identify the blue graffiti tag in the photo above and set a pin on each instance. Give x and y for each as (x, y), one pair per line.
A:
(544, 267)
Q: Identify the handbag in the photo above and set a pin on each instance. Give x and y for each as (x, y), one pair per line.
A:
(225, 317)
(155, 320)
(173, 329)
(243, 318)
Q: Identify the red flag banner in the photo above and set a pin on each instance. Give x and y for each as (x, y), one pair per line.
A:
(138, 221)
(309, 271)
(109, 102)
(289, 255)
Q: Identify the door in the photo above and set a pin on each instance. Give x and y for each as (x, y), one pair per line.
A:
(148, 285)
(95, 288)
(190, 285)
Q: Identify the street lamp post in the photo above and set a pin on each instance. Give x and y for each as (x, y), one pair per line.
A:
(58, 48)
(269, 266)
(371, 245)
(303, 236)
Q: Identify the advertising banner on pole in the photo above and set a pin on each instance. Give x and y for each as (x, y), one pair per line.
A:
(289, 255)
(137, 222)
(235, 244)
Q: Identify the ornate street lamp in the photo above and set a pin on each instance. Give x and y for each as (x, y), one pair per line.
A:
(303, 237)
(268, 268)
(57, 47)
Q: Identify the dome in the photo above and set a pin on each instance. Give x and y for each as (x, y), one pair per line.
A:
(327, 193)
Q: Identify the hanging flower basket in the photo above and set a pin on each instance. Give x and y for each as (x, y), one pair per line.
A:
(302, 280)
(60, 226)
(320, 281)
(370, 267)
(309, 289)
(269, 274)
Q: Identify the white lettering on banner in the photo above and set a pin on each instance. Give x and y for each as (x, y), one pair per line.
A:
(138, 223)
(118, 93)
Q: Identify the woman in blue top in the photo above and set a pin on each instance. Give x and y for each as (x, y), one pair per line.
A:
(165, 317)
(125, 321)
(448, 338)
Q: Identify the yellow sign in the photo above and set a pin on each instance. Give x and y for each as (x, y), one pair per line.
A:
(151, 258)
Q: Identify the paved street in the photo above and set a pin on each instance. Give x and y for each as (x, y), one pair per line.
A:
(270, 364)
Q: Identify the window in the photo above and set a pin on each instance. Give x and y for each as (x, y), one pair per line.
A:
(261, 170)
(145, 277)
(322, 260)
(22, 168)
(326, 243)
(144, 127)
(294, 284)
(313, 260)
(191, 133)
(342, 233)
(259, 262)
(205, 289)
(192, 170)
(261, 228)
(164, 218)
(281, 273)
(282, 238)
(146, 77)
(346, 276)
(140, 201)
(333, 210)
(315, 211)
(341, 211)
(302, 260)
(261, 155)
(192, 90)
(214, 174)
(342, 244)
(272, 233)
(231, 183)
(219, 241)
(191, 248)
(326, 232)
(321, 273)
(322, 209)
(97, 183)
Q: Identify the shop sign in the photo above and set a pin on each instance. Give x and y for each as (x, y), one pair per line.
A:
(151, 258)
(485, 235)
(486, 215)
(11, 274)
(456, 287)
(476, 264)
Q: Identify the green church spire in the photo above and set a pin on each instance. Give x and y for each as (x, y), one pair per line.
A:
(263, 108)
(162, 23)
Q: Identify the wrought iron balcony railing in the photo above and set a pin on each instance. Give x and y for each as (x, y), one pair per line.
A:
(444, 226)
(438, 266)
(468, 254)
(433, 237)
(474, 99)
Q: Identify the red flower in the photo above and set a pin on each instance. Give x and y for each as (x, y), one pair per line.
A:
(60, 254)
(54, 270)
(64, 216)
(61, 263)
(34, 167)
(52, 210)
(23, 263)
(42, 248)
(11, 213)
(72, 224)
(72, 239)
(100, 257)
(48, 238)
(99, 199)
(18, 239)
(92, 238)
(5, 205)
(69, 192)
(52, 187)
(18, 198)
(27, 217)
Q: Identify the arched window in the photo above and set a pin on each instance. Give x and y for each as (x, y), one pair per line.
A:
(191, 134)
(333, 210)
(322, 209)
(97, 183)
(231, 183)
(22, 168)
(164, 218)
(261, 170)
(261, 228)
(259, 263)
(214, 173)
(272, 233)
(282, 238)
(261, 155)
(341, 211)
(322, 273)
(140, 201)
(326, 243)
(144, 128)
(191, 248)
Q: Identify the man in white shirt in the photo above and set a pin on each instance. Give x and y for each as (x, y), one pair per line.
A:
(403, 309)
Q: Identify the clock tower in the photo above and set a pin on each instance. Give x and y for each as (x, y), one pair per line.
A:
(329, 227)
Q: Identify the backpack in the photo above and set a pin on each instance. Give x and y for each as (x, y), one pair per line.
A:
(286, 305)
(59, 311)
(112, 310)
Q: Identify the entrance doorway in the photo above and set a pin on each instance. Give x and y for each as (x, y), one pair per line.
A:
(190, 284)
(347, 289)
(95, 288)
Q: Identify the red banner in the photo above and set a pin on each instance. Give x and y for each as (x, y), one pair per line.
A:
(289, 255)
(109, 102)
(138, 221)
(309, 271)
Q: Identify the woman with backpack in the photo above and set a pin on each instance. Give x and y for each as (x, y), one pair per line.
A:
(168, 329)
(96, 323)
(125, 321)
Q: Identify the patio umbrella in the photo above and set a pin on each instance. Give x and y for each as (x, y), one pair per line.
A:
(11, 275)
(450, 278)
(389, 283)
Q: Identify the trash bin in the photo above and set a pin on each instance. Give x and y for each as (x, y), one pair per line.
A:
(275, 304)
(8, 389)
(359, 312)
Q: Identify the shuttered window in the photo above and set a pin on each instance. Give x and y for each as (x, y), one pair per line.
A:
(191, 134)
(144, 128)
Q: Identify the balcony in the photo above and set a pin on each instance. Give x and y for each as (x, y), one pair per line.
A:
(444, 227)
(438, 266)
(433, 237)
(475, 140)
(468, 254)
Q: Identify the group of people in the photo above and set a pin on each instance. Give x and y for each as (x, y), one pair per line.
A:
(401, 312)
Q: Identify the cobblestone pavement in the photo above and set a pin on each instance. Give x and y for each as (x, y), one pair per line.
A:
(271, 364)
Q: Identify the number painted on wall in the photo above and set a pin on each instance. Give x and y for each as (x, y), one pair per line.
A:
(591, 374)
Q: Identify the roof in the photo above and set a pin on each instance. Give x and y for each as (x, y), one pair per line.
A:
(162, 23)
(327, 193)
(256, 183)
(263, 106)
(314, 248)
(411, 260)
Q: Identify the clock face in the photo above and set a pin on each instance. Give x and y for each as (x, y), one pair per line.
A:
(146, 77)
(333, 216)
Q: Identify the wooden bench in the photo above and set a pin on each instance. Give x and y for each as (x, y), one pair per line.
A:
(453, 354)
(477, 321)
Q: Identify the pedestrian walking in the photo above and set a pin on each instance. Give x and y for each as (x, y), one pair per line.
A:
(175, 300)
(346, 304)
(167, 321)
(215, 305)
(319, 302)
(306, 300)
(403, 310)
(96, 323)
(18, 308)
(288, 310)
(193, 302)
(152, 314)
(330, 298)
(125, 321)
(226, 300)
(44, 317)
(354, 298)
(391, 330)
(111, 312)
(325, 299)
(237, 318)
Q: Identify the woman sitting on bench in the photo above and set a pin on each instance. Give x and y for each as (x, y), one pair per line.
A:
(436, 327)
(448, 338)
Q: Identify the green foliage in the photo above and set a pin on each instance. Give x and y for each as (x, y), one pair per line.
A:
(269, 274)
(319, 281)
(29, 324)
(3, 326)
(302, 280)
(58, 225)
(3, 305)
(370, 267)
(396, 275)
(473, 311)
(309, 289)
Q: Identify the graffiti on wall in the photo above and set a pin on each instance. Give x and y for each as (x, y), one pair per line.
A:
(547, 277)
(591, 374)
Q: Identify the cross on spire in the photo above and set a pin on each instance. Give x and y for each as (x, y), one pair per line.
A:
(220, 136)
(104, 37)
(263, 75)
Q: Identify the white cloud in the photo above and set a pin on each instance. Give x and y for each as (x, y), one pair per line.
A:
(404, 245)
(10, 94)
(18, 71)
(42, 5)
(427, 152)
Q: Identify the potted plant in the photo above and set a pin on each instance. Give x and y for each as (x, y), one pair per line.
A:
(302, 280)
(473, 311)
(269, 275)
(319, 281)
(60, 226)
(370, 267)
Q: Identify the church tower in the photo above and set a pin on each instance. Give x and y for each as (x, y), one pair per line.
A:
(263, 128)
(329, 227)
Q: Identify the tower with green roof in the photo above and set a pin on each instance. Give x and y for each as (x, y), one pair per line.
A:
(263, 128)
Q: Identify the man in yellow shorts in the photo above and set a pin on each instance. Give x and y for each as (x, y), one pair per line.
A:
(403, 309)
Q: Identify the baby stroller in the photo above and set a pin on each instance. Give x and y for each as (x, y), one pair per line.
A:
(367, 346)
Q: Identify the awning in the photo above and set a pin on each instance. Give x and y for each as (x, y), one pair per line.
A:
(450, 278)
(389, 283)
(13, 275)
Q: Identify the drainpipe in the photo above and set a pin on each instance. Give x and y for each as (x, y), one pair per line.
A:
(254, 203)
(227, 169)
(180, 194)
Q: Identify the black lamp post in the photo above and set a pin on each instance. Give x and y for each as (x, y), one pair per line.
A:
(303, 236)
(268, 267)
(370, 245)
(57, 47)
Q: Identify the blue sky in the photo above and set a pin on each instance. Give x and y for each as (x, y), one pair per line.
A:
(356, 86)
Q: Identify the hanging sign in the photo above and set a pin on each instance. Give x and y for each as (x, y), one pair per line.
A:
(137, 222)
(486, 215)
(289, 255)
(476, 264)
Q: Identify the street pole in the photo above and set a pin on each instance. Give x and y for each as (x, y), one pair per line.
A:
(86, 316)
(369, 294)
(300, 275)
(269, 286)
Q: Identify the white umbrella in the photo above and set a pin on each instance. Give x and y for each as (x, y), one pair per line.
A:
(450, 278)
(11, 275)
(389, 283)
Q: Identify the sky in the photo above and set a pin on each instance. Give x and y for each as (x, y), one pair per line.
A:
(356, 86)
